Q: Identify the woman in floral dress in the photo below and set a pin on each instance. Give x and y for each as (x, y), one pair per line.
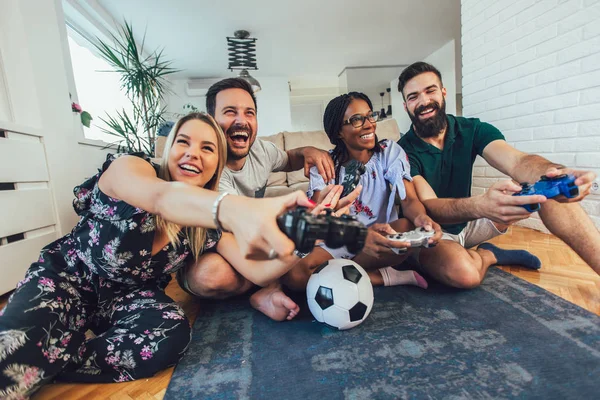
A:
(138, 224)
(350, 125)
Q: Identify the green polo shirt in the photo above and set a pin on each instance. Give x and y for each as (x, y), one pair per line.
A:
(449, 171)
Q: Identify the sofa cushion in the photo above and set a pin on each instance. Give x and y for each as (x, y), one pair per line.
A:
(276, 178)
(277, 190)
(303, 186)
(273, 191)
(294, 140)
(388, 129)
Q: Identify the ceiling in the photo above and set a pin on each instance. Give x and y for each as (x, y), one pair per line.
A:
(309, 41)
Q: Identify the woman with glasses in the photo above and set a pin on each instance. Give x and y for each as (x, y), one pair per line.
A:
(350, 124)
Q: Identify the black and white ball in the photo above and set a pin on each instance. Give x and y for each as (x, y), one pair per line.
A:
(340, 294)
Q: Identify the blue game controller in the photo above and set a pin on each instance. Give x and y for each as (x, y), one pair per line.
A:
(549, 187)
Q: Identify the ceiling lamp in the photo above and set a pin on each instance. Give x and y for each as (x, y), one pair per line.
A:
(242, 56)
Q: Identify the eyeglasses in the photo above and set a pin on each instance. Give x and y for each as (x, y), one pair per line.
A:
(358, 120)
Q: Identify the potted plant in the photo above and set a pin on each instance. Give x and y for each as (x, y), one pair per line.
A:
(143, 79)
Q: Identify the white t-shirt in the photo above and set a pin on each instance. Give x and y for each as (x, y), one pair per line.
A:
(251, 181)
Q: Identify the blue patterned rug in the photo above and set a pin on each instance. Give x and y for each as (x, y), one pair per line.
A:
(506, 339)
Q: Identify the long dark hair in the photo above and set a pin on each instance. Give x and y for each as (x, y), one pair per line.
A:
(333, 120)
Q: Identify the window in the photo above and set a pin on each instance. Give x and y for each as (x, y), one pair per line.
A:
(98, 91)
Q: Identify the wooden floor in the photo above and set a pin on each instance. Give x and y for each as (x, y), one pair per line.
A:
(563, 273)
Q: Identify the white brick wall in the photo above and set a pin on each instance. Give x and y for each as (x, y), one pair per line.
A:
(532, 69)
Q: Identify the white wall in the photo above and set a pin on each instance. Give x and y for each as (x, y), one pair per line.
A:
(372, 81)
(308, 116)
(273, 102)
(343, 81)
(69, 162)
(5, 109)
(308, 106)
(309, 103)
(532, 69)
(444, 60)
(42, 158)
(274, 114)
(177, 98)
(398, 111)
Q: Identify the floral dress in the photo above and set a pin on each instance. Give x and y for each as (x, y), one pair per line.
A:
(100, 277)
(383, 178)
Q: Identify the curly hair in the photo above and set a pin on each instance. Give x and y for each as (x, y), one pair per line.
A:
(333, 121)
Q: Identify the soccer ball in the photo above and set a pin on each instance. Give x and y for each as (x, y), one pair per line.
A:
(340, 294)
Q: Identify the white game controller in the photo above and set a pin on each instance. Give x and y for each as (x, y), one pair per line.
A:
(417, 238)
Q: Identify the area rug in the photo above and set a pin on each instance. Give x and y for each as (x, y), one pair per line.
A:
(505, 339)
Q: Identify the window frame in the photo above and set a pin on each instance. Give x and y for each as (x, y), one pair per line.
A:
(76, 16)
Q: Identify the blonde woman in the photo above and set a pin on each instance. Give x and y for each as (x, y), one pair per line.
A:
(138, 223)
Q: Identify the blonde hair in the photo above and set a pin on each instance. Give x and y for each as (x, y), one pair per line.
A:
(196, 235)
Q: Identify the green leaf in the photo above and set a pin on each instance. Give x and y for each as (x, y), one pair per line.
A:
(86, 119)
(143, 77)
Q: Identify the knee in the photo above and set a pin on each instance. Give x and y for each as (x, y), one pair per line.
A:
(466, 276)
(170, 351)
(213, 276)
(458, 269)
(468, 280)
(453, 265)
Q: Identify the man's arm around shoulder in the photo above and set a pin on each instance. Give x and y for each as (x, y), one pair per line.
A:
(307, 157)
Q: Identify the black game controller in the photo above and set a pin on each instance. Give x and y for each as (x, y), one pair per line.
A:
(353, 172)
(305, 229)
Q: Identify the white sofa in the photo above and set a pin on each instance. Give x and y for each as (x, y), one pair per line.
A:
(284, 182)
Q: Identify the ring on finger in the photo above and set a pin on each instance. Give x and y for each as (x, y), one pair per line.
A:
(272, 254)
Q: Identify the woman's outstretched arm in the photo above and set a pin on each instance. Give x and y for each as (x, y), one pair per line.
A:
(252, 221)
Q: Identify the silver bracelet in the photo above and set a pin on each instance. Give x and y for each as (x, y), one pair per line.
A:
(215, 211)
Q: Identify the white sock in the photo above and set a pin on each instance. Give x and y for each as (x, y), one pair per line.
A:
(393, 277)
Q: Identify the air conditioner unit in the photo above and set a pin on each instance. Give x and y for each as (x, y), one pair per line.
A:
(196, 87)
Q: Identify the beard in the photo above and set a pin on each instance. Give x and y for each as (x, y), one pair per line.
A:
(234, 153)
(433, 126)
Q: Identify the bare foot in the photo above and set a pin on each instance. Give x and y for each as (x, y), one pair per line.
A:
(272, 302)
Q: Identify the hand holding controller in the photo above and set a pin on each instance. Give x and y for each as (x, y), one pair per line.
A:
(305, 229)
(549, 187)
(417, 238)
(353, 172)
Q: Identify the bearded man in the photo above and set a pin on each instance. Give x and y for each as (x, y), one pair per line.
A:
(441, 150)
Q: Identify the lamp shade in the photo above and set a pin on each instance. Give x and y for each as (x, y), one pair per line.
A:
(244, 74)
